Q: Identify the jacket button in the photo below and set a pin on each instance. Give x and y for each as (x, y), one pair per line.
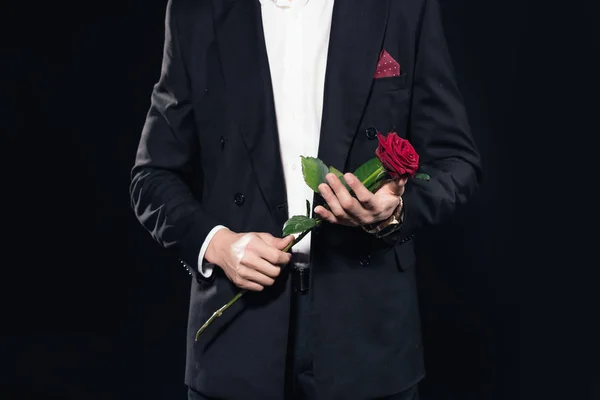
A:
(371, 133)
(365, 260)
(239, 199)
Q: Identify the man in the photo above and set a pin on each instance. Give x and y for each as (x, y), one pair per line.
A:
(246, 88)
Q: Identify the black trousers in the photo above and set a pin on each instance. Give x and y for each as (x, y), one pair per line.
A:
(300, 383)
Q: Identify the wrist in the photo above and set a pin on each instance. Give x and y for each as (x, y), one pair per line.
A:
(213, 252)
(399, 211)
(389, 225)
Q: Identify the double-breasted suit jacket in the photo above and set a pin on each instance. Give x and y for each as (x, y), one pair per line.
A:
(209, 155)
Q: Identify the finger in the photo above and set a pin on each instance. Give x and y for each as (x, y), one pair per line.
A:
(270, 253)
(282, 243)
(393, 187)
(255, 287)
(362, 193)
(326, 215)
(353, 207)
(278, 243)
(276, 257)
(246, 284)
(262, 258)
(252, 274)
(331, 200)
(399, 183)
(335, 207)
(345, 199)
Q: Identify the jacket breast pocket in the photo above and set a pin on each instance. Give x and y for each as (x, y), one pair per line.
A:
(391, 83)
(388, 105)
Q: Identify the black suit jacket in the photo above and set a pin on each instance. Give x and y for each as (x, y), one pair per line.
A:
(209, 155)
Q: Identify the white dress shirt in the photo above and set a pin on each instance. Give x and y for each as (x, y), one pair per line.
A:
(297, 40)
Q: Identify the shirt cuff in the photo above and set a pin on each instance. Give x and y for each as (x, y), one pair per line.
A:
(206, 269)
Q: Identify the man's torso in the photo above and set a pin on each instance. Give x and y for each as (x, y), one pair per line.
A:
(365, 329)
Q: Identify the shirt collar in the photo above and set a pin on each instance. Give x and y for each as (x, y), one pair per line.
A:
(285, 3)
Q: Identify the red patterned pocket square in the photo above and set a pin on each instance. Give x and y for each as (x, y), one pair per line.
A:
(386, 66)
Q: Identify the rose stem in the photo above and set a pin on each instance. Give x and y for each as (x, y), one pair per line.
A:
(220, 311)
(367, 182)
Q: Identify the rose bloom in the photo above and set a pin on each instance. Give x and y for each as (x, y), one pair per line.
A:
(397, 155)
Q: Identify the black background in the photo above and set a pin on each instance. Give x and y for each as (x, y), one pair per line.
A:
(94, 309)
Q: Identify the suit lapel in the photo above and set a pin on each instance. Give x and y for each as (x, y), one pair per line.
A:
(356, 38)
(244, 60)
(357, 31)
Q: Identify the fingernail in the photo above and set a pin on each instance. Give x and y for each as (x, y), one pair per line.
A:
(349, 178)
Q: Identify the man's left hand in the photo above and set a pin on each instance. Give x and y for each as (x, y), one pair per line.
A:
(363, 208)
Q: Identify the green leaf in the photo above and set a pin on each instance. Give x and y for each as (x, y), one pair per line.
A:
(336, 172)
(365, 170)
(298, 224)
(314, 172)
(340, 176)
(371, 173)
(307, 209)
(423, 176)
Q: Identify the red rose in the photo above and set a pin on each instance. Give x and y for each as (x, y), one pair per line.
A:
(397, 155)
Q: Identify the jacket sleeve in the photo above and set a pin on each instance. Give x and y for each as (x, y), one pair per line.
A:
(440, 133)
(161, 195)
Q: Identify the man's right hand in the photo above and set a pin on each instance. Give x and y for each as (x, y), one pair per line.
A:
(250, 260)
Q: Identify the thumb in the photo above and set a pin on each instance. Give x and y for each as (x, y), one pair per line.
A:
(278, 243)
(266, 237)
(402, 180)
(397, 185)
(391, 187)
(282, 243)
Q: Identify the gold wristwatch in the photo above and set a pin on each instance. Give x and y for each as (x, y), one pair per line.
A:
(388, 226)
